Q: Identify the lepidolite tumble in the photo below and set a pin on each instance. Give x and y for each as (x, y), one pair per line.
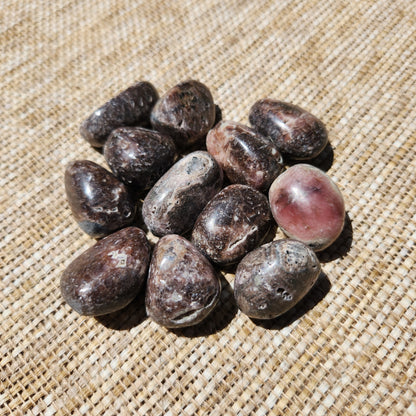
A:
(107, 276)
(234, 222)
(246, 156)
(186, 112)
(99, 202)
(131, 107)
(138, 156)
(297, 133)
(178, 197)
(308, 206)
(273, 278)
(182, 286)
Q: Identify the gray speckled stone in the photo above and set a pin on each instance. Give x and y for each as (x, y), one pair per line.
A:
(273, 278)
(182, 286)
(178, 197)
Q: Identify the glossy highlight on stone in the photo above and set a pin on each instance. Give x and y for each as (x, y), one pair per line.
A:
(308, 206)
(138, 156)
(107, 276)
(182, 286)
(273, 278)
(297, 133)
(99, 202)
(186, 113)
(178, 197)
(131, 107)
(246, 156)
(234, 222)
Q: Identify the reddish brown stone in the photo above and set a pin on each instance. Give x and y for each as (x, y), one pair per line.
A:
(182, 287)
(99, 202)
(297, 133)
(107, 276)
(246, 156)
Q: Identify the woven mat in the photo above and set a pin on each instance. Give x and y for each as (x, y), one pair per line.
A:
(348, 348)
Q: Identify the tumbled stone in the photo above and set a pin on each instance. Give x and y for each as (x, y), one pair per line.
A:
(273, 278)
(308, 206)
(178, 197)
(107, 276)
(182, 286)
(131, 107)
(138, 156)
(297, 133)
(99, 202)
(234, 222)
(186, 113)
(246, 156)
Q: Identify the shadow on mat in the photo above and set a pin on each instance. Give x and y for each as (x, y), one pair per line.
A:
(319, 290)
(323, 161)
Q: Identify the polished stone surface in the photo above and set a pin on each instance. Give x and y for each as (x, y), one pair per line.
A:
(308, 206)
(99, 202)
(108, 275)
(246, 156)
(178, 197)
(297, 133)
(234, 222)
(182, 287)
(138, 156)
(131, 107)
(273, 278)
(186, 113)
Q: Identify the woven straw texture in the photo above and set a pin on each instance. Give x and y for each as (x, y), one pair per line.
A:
(348, 348)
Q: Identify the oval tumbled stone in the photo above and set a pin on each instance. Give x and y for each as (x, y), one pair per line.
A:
(138, 156)
(178, 197)
(308, 206)
(99, 202)
(182, 286)
(273, 278)
(234, 222)
(297, 133)
(186, 112)
(246, 156)
(131, 107)
(107, 276)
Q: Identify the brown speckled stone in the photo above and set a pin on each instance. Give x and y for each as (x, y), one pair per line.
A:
(131, 107)
(99, 202)
(296, 133)
(178, 197)
(182, 286)
(308, 206)
(273, 278)
(186, 113)
(138, 156)
(246, 156)
(107, 276)
(234, 222)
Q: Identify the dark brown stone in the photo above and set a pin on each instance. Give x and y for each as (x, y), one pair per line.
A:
(186, 113)
(107, 276)
(308, 206)
(131, 107)
(246, 156)
(273, 278)
(182, 287)
(99, 202)
(296, 133)
(138, 156)
(178, 197)
(234, 222)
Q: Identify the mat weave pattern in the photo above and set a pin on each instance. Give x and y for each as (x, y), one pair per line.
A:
(349, 347)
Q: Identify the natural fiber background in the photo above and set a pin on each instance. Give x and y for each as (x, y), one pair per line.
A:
(349, 347)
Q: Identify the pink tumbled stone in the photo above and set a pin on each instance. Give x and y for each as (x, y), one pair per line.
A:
(308, 206)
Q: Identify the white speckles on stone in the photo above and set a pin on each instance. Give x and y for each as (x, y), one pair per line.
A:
(120, 257)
